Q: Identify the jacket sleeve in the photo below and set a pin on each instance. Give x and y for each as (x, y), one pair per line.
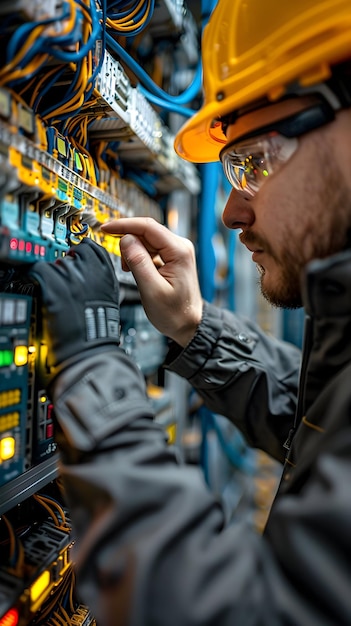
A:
(243, 374)
(152, 547)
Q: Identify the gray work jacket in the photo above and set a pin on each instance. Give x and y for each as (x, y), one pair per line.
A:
(152, 546)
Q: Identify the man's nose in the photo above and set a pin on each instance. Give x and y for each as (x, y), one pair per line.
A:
(238, 212)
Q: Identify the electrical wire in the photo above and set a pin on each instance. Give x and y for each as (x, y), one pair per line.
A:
(48, 503)
(131, 24)
(16, 557)
(51, 606)
(55, 46)
(166, 106)
(25, 53)
(145, 79)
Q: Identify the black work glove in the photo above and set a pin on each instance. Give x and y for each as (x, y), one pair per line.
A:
(80, 305)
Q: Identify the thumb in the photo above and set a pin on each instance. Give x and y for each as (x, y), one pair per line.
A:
(139, 261)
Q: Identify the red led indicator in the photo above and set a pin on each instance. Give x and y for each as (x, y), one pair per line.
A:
(28, 246)
(13, 244)
(49, 431)
(21, 245)
(10, 618)
(36, 249)
(42, 250)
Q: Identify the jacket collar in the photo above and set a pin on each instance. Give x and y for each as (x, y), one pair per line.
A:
(326, 287)
(326, 292)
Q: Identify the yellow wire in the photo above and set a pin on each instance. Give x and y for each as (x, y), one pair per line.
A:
(33, 66)
(55, 598)
(28, 86)
(69, 22)
(129, 26)
(11, 536)
(129, 17)
(9, 73)
(15, 541)
(48, 508)
(65, 614)
(21, 558)
(71, 591)
(17, 97)
(77, 100)
(61, 620)
(56, 505)
(46, 76)
(23, 51)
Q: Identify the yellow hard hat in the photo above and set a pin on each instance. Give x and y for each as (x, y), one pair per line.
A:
(253, 49)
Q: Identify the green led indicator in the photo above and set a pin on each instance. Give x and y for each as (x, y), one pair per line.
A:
(6, 358)
(264, 172)
(78, 162)
(62, 185)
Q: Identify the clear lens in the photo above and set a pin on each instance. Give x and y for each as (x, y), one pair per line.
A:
(249, 163)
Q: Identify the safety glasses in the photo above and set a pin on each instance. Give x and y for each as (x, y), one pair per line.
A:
(248, 160)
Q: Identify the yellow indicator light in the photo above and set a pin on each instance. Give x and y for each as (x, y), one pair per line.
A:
(7, 448)
(9, 398)
(39, 586)
(154, 391)
(172, 433)
(43, 399)
(9, 421)
(32, 349)
(21, 355)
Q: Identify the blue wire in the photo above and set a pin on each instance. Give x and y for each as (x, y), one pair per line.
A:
(145, 181)
(87, 47)
(167, 106)
(154, 89)
(136, 18)
(103, 44)
(23, 31)
(28, 76)
(122, 4)
(68, 93)
(75, 57)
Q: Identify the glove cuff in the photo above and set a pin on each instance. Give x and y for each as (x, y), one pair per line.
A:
(102, 321)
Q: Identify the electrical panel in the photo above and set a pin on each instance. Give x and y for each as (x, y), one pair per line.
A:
(85, 137)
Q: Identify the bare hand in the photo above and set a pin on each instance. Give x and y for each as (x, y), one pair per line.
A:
(164, 268)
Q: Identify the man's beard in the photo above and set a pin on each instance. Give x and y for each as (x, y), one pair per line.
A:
(288, 294)
(326, 232)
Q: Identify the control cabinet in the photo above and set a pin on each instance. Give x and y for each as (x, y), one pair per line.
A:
(81, 142)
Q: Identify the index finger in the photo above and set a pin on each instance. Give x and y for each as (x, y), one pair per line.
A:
(155, 236)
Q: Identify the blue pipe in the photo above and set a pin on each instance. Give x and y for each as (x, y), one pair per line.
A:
(206, 228)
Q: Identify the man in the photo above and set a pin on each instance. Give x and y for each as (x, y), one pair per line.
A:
(152, 546)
